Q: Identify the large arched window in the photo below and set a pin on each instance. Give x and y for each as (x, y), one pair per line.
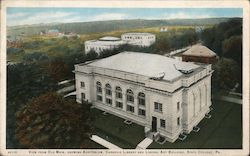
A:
(118, 95)
(141, 99)
(98, 87)
(108, 89)
(141, 102)
(108, 94)
(98, 91)
(130, 96)
(118, 92)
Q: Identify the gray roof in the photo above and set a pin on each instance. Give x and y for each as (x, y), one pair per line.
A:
(137, 33)
(199, 50)
(110, 38)
(150, 65)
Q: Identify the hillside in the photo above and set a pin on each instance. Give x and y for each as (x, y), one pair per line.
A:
(107, 26)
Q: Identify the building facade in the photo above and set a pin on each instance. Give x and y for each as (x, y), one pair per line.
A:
(199, 53)
(166, 96)
(139, 39)
(104, 43)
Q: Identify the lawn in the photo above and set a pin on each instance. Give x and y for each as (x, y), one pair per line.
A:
(222, 131)
(115, 131)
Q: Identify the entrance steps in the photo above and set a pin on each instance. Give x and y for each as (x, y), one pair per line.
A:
(144, 143)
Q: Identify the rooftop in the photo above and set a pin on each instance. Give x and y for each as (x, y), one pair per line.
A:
(199, 50)
(104, 42)
(110, 38)
(151, 65)
(137, 33)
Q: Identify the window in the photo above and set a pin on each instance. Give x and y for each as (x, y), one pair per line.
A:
(130, 108)
(158, 107)
(118, 104)
(141, 112)
(178, 106)
(109, 101)
(108, 90)
(118, 92)
(99, 98)
(130, 96)
(178, 121)
(98, 87)
(82, 84)
(83, 96)
(141, 99)
(163, 123)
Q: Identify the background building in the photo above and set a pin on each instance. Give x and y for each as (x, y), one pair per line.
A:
(104, 43)
(199, 53)
(166, 96)
(139, 39)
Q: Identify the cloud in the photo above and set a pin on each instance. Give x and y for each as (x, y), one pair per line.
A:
(16, 15)
(109, 16)
(185, 15)
(42, 17)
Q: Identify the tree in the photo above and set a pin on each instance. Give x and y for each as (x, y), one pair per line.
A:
(226, 74)
(58, 70)
(50, 121)
(24, 81)
(232, 48)
(91, 55)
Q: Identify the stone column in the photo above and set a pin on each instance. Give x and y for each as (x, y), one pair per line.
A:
(124, 101)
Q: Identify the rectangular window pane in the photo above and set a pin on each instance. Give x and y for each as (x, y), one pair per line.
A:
(163, 123)
(178, 121)
(99, 89)
(158, 107)
(118, 104)
(130, 108)
(83, 96)
(108, 101)
(142, 112)
(118, 95)
(108, 92)
(142, 102)
(99, 98)
(82, 84)
(130, 98)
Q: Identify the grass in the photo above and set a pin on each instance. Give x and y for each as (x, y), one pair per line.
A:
(222, 131)
(114, 130)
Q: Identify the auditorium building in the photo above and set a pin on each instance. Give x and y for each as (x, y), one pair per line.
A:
(166, 96)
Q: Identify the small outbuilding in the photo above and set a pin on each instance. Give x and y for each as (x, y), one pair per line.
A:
(199, 53)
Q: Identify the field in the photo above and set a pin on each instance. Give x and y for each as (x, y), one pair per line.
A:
(63, 47)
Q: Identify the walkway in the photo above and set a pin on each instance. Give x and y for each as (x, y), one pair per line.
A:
(69, 94)
(66, 89)
(103, 142)
(144, 143)
(230, 99)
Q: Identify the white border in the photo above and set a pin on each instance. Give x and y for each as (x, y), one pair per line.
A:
(130, 4)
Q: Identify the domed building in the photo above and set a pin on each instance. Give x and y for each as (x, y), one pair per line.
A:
(104, 43)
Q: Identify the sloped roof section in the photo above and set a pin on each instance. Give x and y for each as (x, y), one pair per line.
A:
(199, 50)
(149, 65)
(110, 38)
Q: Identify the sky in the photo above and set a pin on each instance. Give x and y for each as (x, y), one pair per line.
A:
(22, 16)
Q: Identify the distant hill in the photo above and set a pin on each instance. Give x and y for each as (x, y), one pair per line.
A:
(106, 26)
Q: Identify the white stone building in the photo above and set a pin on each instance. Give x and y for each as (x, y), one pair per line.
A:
(139, 39)
(166, 96)
(104, 43)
